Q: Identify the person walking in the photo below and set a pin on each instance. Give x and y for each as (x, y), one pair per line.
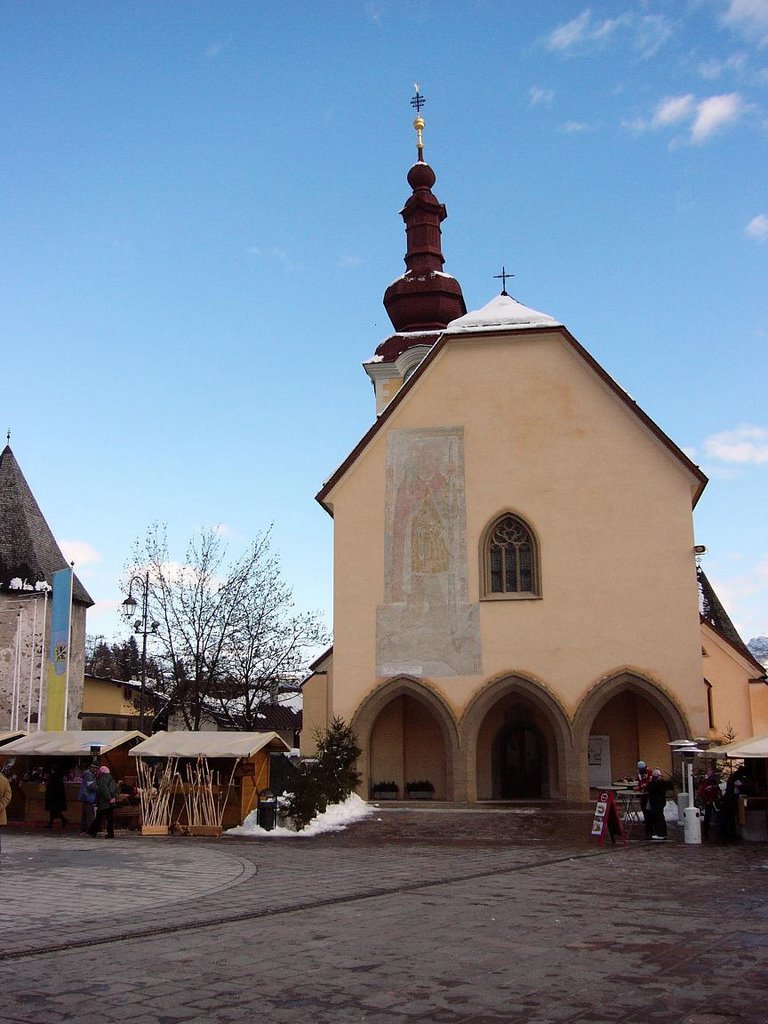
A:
(106, 798)
(5, 799)
(657, 798)
(56, 797)
(87, 796)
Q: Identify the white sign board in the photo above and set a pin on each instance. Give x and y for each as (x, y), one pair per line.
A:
(599, 761)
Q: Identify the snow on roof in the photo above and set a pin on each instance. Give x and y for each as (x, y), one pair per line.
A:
(754, 746)
(209, 744)
(502, 311)
(70, 743)
(13, 734)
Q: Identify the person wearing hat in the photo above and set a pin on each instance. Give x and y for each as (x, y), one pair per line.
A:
(657, 798)
(641, 784)
(87, 796)
(106, 798)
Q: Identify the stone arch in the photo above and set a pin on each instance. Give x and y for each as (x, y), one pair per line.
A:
(407, 688)
(547, 714)
(648, 695)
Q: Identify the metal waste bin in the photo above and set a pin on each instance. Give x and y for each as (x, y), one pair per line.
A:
(692, 825)
(265, 813)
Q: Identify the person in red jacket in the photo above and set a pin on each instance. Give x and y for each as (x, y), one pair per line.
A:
(708, 796)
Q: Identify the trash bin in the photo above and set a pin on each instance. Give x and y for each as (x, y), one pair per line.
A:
(265, 814)
(692, 825)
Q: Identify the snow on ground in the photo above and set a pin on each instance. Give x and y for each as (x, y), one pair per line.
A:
(334, 818)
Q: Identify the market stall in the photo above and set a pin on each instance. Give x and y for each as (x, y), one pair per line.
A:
(28, 760)
(753, 802)
(199, 783)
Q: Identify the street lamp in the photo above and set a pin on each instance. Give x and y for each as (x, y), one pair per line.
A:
(142, 626)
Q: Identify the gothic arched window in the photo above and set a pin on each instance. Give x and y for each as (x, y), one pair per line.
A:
(510, 559)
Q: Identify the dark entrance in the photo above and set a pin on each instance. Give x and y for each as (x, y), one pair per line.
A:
(519, 762)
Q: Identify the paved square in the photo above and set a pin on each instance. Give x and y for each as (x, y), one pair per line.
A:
(442, 914)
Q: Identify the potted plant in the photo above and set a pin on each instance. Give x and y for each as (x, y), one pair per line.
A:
(421, 790)
(385, 791)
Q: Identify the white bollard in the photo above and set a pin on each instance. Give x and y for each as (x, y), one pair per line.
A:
(692, 825)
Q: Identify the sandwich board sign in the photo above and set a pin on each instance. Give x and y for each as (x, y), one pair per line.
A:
(607, 819)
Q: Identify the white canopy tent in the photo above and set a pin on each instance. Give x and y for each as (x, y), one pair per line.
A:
(69, 743)
(13, 734)
(208, 744)
(755, 746)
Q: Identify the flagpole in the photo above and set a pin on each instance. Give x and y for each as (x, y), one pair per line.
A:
(43, 662)
(69, 643)
(32, 666)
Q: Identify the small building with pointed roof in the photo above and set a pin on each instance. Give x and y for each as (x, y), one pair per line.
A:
(29, 555)
(515, 585)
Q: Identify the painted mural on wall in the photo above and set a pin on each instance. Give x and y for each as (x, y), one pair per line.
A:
(426, 626)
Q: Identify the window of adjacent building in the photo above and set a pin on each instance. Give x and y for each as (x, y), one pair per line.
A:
(710, 704)
(510, 559)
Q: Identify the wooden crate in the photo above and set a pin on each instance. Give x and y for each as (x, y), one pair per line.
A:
(204, 830)
(154, 830)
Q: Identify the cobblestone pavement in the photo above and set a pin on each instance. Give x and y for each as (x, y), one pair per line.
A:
(436, 915)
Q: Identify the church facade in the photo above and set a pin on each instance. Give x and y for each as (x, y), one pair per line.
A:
(516, 601)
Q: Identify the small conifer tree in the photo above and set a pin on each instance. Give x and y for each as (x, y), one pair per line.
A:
(328, 778)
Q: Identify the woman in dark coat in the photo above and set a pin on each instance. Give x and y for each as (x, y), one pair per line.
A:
(55, 797)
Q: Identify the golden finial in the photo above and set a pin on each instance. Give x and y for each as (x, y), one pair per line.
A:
(418, 122)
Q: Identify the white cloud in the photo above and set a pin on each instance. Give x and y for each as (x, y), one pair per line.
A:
(673, 109)
(374, 13)
(80, 552)
(714, 68)
(744, 445)
(216, 49)
(574, 127)
(571, 33)
(749, 18)
(540, 97)
(350, 261)
(646, 33)
(714, 113)
(705, 117)
(744, 597)
(758, 228)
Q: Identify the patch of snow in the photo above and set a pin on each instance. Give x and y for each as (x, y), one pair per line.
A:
(502, 311)
(334, 818)
(671, 813)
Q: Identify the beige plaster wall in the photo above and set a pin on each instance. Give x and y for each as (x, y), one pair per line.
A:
(544, 437)
(315, 712)
(729, 674)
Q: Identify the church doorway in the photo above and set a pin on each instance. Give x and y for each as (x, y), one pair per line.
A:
(519, 765)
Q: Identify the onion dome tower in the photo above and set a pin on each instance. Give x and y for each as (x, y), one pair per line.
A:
(425, 299)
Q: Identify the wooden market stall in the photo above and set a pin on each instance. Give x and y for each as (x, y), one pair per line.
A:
(28, 759)
(199, 783)
(753, 806)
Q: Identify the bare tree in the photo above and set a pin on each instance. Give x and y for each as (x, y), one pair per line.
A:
(227, 627)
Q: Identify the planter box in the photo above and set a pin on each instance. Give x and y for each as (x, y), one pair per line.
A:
(205, 830)
(420, 794)
(384, 794)
(154, 830)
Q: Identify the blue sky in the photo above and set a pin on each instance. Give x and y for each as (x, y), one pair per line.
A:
(200, 216)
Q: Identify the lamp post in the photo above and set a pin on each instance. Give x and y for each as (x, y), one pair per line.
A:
(142, 626)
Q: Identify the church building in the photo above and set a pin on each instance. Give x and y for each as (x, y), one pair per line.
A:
(517, 605)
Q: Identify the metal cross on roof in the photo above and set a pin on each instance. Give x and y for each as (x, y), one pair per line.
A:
(503, 276)
(418, 100)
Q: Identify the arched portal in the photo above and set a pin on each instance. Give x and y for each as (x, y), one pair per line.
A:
(407, 735)
(517, 740)
(624, 719)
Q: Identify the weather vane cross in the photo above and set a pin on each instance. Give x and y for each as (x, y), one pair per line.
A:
(503, 277)
(418, 100)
